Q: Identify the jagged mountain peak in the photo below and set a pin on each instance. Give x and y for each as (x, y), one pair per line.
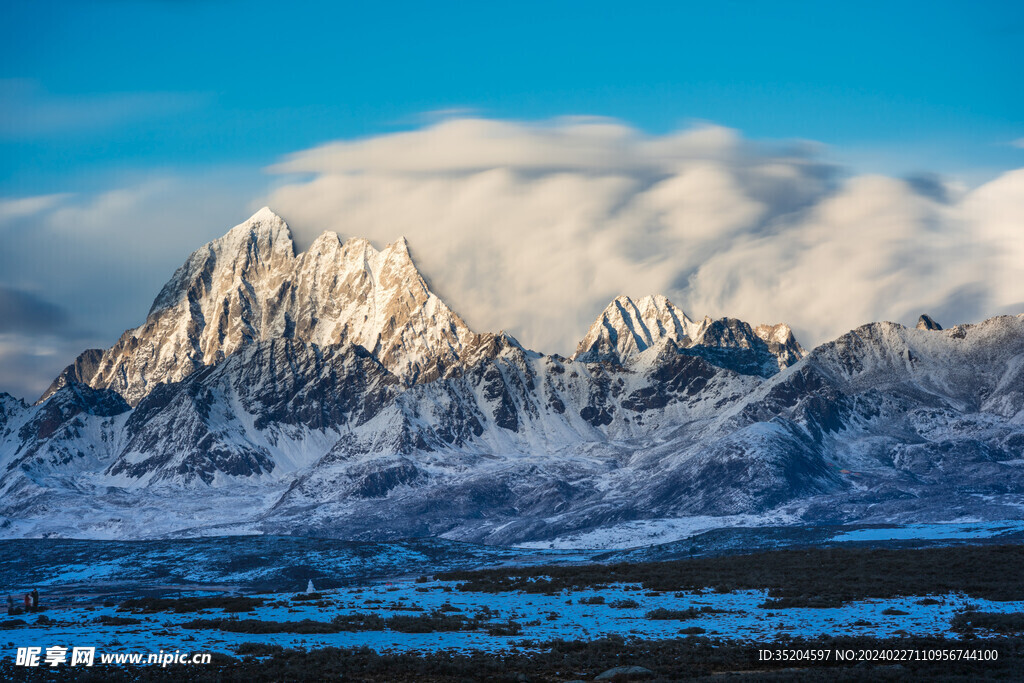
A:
(85, 365)
(627, 328)
(251, 285)
(261, 243)
(265, 215)
(264, 221)
(779, 334)
(883, 421)
(355, 249)
(261, 234)
(925, 322)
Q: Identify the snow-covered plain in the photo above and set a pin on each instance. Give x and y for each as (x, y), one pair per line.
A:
(82, 582)
(542, 617)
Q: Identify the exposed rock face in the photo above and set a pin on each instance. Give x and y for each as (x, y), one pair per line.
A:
(190, 432)
(74, 432)
(781, 343)
(84, 366)
(926, 323)
(331, 393)
(627, 329)
(249, 285)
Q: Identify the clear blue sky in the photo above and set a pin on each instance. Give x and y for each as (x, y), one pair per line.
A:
(92, 89)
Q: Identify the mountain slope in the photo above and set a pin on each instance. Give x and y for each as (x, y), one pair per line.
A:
(249, 286)
(331, 393)
(626, 329)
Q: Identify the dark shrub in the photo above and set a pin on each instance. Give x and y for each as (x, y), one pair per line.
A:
(308, 596)
(624, 604)
(681, 614)
(1012, 622)
(108, 620)
(231, 603)
(258, 626)
(509, 628)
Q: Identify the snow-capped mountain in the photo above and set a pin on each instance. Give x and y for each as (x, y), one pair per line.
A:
(626, 329)
(330, 392)
(250, 285)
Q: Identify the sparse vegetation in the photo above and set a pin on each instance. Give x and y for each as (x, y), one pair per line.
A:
(812, 601)
(260, 626)
(1012, 622)
(300, 597)
(108, 620)
(819, 577)
(509, 628)
(625, 603)
(436, 621)
(681, 614)
(232, 603)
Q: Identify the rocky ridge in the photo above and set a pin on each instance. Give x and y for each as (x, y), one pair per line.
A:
(330, 393)
(250, 285)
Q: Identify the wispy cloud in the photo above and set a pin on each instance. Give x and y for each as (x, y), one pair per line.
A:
(77, 270)
(24, 207)
(37, 339)
(534, 226)
(25, 312)
(30, 111)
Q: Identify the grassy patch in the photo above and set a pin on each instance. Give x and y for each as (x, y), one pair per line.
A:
(301, 597)
(893, 612)
(431, 622)
(232, 604)
(816, 577)
(307, 626)
(810, 601)
(108, 620)
(681, 614)
(1012, 622)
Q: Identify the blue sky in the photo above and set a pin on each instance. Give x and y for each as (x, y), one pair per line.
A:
(99, 88)
(733, 170)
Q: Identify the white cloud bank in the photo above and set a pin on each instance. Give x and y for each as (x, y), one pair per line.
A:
(534, 227)
(89, 265)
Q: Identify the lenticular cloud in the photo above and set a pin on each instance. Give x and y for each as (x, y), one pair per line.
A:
(534, 227)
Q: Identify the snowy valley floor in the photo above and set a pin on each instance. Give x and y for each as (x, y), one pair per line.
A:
(425, 610)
